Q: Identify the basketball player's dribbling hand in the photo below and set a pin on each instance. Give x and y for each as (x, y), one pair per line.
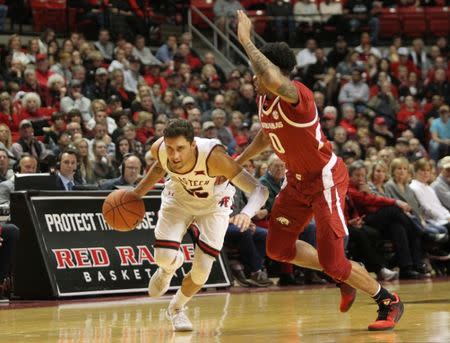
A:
(244, 26)
(241, 220)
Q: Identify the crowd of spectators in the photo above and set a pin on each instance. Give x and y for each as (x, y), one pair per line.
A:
(91, 110)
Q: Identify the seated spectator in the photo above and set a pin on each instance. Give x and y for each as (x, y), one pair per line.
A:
(132, 76)
(129, 132)
(125, 97)
(388, 216)
(7, 111)
(384, 104)
(32, 110)
(348, 119)
(416, 150)
(145, 129)
(74, 99)
(6, 139)
(5, 170)
(58, 126)
(42, 70)
(209, 130)
(398, 188)
(64, 66)
(252, 249)
(378, 176)
(166, 51)
(27, 143)
(84, 163)
(67, 166)
(101, 88)
(100, 117)
(439, 86)
(409, 117)
(328, 121)
(440, 134)
(104, 44)
(442, 183)
(434, 211)
(218, 117)
(365, 245)
(9, 236)
(102, 162)
(306, 56)
(56, 91)
(130, 173)
(362, 12)
(331, 13)
(143, 53)
(356, 91)
(26, 165)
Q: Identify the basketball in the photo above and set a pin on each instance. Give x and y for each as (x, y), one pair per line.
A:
(123, 210)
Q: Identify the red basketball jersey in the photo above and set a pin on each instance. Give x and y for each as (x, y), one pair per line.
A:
(297, 138)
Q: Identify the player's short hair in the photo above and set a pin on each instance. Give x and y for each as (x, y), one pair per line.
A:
(280, 54)
(179, 127)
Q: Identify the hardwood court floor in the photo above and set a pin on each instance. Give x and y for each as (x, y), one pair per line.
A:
(279, 316)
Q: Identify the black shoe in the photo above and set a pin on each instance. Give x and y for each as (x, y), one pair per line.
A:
(410, 274)
(240, 278)
(260, 279)
(313, 278)
(289, 280)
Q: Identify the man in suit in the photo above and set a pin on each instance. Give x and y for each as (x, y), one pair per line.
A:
(130, 173)
(66, 171)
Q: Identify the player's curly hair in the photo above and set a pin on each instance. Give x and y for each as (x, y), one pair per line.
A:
(280, 54)
(179, 127)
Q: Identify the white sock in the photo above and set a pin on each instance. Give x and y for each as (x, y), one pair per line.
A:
(178, 301)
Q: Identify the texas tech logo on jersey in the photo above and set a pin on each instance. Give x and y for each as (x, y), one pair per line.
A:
(225, 202)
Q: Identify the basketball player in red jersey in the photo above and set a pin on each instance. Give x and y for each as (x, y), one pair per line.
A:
(316, 181)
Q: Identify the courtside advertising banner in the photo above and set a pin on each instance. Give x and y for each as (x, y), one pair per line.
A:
(84, 256)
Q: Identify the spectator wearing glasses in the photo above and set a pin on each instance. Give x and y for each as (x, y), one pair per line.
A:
(130, 173)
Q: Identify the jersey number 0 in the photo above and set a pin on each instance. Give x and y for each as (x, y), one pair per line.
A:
(276, 144)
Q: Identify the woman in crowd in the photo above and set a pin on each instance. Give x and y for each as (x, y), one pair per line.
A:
(117, 81)
(5, 138)
(7, 110)
(434, 212)
(398, 188)
(85, 165)
(378, 176)
(102, 164)
(122, 148)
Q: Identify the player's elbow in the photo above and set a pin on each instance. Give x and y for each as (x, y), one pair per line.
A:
(271, 79)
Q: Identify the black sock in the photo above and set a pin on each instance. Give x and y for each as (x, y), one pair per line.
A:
(382, 295)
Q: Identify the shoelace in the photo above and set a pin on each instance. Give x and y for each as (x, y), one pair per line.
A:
(383, 311)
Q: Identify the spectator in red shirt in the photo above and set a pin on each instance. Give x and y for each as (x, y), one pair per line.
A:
(348, 119)
(405, 61)
(42, 70)
(409, 117)
(32, 110)
(194, 62)
(7, 111)
(152, 75)
(388, 216)
(144, 126)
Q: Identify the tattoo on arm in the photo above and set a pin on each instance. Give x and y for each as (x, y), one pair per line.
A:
(287, 90)
(260, 63)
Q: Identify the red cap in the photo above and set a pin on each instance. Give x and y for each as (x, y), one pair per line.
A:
(380, 121)
(40, 57)
(214, 78)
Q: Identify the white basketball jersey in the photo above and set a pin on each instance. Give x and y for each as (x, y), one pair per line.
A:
(194, 186)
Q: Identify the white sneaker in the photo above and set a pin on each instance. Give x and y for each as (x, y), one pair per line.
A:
(387, 275)
(179, 319)
(159, 283)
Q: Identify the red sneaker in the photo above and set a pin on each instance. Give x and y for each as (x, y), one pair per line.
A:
(389, 313)
(348, 295)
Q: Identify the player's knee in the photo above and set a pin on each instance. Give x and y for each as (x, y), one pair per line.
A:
(278, 253)
(201, 268)
(166, 258)
(339, 269)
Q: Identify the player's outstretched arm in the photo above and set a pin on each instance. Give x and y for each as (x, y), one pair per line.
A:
(260, 143)
(155, 173)
(219, 163)
(267, 72)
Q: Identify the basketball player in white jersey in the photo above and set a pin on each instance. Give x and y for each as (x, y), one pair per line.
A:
(191, 194)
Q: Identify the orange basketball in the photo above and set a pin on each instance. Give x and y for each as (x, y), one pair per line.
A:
(123, 210)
